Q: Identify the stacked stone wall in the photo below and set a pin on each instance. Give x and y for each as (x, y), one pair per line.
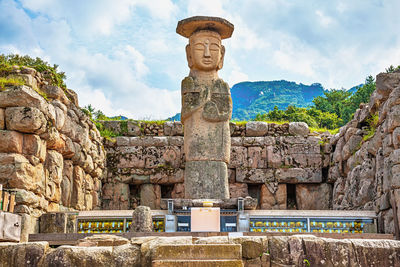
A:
(51, 153)
(365, 160)
(284, 166)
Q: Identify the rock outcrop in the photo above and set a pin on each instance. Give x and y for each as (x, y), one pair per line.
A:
(365, 159)
(51, 153)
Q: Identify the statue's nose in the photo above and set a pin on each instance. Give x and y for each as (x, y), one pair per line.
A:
(207, 51)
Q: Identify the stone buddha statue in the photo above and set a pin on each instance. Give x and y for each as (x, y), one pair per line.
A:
(206, 109)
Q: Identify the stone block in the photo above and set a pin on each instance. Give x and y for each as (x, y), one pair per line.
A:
(214, 187)
(299, 128)
(256, 128)
(25, 119)
(238, 157)
(298, 175)
(252, 246)
(133, 128)
(2, 119)
(167, 176)
(257, 157)
(254, 176)
(54, 172)
(22, 254)
(175, 141)
(197, 251)
(150, 196)
(172, 128)
(258, 141)
(237, 190)
(274, 156)
(34, 146)
(313, 196)
(178, 191)
(54, 222)
(124, 255)
(17, 172)
(104, 240)
(54, 92)
(273, 198)
(142, 220)
(154, 141)
(11, 142)
(130, 157)
(115, 196)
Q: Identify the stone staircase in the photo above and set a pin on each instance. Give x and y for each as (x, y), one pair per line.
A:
(198, 255)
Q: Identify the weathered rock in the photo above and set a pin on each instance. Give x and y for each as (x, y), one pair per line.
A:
(238, 190)
(54, 222)
(150, 196)
(125, 255)
(34, 146)
(299, 128)
(298, 175)
(216, 184)
(274, 197)
(313, 196)
(252, 246)
(172, 128)
(10, 142)
(104, 241)
(25, 119)
(23, 254)
(385, 82)
(254, 176)
(256, 128)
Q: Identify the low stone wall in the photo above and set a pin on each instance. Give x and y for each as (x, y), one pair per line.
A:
(301, 250)
(365, 160)
(51, 153)
(280, 165)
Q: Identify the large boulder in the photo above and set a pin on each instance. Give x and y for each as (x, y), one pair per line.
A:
(11, 142)
(256, 128)
(26, 120)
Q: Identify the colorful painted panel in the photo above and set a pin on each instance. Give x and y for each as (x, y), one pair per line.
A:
(283, 225)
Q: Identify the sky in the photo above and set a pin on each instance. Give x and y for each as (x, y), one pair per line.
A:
(124, 57)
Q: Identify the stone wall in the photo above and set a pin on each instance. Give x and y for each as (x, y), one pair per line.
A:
(283, 166)
(365, 160)
(300, 250)
(51, 153)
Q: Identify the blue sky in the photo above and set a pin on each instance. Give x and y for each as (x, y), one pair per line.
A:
(124, 57)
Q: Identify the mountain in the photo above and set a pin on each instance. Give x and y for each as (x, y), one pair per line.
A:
(251, 98)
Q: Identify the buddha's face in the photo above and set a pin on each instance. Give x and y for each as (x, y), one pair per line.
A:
(205, 52)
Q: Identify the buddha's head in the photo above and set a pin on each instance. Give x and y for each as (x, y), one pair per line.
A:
(205, 51)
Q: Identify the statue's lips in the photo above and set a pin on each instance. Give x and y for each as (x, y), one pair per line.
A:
(207, 62)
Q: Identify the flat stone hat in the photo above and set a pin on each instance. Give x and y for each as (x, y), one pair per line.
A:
(187, 27)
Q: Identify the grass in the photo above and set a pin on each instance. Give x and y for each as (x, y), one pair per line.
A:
(323, 130)
(372, 123)
(10, 82)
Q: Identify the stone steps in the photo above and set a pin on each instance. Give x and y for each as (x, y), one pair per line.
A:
(198, 255)
(198, 263)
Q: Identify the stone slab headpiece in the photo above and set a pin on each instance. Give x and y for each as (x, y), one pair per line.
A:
(187, 27)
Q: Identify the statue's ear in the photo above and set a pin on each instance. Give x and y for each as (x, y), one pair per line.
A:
(221, 61)
(189, 56)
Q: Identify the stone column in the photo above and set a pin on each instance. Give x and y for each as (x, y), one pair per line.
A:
(206, 108)
(142, 220)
